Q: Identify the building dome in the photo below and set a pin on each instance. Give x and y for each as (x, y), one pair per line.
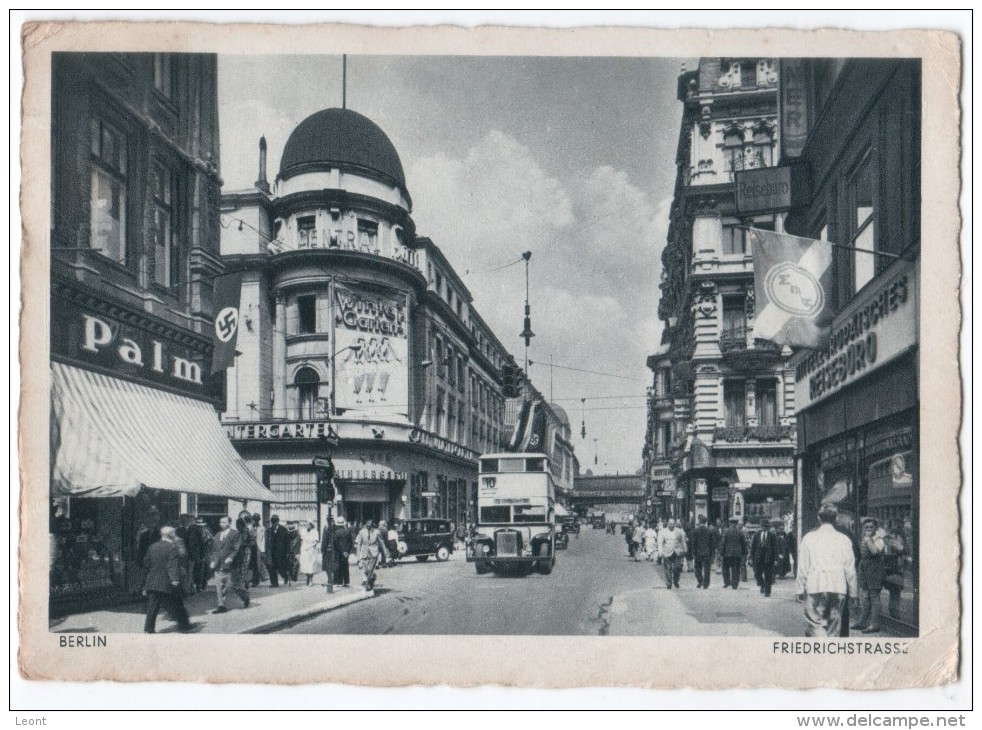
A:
(561, 415)
(341, 138)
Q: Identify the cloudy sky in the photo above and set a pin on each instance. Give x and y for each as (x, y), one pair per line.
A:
(569, 158)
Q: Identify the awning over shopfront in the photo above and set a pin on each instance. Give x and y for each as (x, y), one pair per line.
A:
(112, 438)
(773, 475)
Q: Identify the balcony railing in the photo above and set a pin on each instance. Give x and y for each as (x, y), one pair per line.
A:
(756, 434)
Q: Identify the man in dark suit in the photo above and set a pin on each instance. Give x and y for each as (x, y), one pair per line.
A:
(199, 548)
(343, 545)
(227, 557)
(733, 548)
(278, 547)
(763, 555)
(703, 549)
(163, 583)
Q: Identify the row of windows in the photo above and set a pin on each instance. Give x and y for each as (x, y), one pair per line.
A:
(112, 191)
(735, 403)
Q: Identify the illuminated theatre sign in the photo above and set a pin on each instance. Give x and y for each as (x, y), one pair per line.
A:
(875, 328)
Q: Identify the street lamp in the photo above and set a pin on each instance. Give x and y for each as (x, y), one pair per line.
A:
(334, 373)
(333, 493)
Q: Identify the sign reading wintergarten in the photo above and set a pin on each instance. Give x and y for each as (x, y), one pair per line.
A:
(281, 431)
(876, 327)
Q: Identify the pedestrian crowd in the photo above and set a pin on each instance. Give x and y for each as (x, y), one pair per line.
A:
(700, 547)
(180, 559)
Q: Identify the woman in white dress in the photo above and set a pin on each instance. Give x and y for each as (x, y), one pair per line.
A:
(309, 551)
(650, 542)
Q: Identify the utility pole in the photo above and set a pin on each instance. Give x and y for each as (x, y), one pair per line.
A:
(344, 80)
(527, 333)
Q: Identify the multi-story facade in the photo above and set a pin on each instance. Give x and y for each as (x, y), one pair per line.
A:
(659, 481)
(854, 126)
(136, 439)
(360, 341)
(724, 418)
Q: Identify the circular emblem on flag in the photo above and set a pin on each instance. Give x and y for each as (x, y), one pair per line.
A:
(794, 290)
(226, 323)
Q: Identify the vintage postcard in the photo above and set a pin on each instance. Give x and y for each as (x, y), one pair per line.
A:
(527, 357)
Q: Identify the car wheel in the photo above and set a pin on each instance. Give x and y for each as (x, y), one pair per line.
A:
(442, 553)
(482, 567)
(422, 558)
(402, 547)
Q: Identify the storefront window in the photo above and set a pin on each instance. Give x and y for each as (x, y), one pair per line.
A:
(87, 554)
(296, 493)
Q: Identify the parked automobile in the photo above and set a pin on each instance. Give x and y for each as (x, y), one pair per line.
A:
(424, 537)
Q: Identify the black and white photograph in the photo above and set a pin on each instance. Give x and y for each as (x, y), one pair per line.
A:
(350, 344)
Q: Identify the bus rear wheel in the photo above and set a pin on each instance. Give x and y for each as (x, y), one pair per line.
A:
(482, 567)
(546, 561)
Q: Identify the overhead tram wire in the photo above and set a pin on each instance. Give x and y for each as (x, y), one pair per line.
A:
(593, 372)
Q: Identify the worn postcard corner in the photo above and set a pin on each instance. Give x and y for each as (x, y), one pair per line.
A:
(519, 357)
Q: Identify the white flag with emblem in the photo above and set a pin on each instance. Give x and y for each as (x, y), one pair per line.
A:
(792, 278)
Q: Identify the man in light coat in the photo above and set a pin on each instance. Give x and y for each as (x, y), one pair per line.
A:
(826, 575)
(369, 546)
(672, 548)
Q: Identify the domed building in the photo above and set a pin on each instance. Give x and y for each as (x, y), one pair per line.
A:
(356, 340)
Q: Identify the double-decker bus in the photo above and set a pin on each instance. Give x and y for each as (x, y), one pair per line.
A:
(516, 501)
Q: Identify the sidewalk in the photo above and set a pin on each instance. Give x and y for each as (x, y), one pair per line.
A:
(269, 608)
(718, 611)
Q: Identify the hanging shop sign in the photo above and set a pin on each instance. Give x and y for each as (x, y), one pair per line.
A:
(721, 494)
(793, 108)
(128, 344)
(874, 329)
(769, 189)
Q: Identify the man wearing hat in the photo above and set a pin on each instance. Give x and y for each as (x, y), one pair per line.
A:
(872, 571)
(763, 555)
(733, 549)
(341, 546)
(278, 549)
(826, 575)
(199, 548)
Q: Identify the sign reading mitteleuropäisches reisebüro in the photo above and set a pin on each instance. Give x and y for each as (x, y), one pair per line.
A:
(873, 329)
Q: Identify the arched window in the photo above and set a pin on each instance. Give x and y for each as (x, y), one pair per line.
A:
(307, 381)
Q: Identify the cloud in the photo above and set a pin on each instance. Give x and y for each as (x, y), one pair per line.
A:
(596, 244)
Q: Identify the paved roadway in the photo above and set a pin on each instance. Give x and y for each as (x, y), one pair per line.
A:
(595, 589)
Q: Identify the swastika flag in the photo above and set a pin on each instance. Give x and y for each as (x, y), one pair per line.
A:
(792, 283)
(227, 292)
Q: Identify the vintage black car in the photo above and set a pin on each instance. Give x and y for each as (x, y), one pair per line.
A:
(424, 537)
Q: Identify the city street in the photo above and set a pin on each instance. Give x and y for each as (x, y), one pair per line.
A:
(595, 589)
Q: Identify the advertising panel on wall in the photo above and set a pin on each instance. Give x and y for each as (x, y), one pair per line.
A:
(371, 337)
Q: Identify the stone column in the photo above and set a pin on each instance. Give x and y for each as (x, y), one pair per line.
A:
(279, 358)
